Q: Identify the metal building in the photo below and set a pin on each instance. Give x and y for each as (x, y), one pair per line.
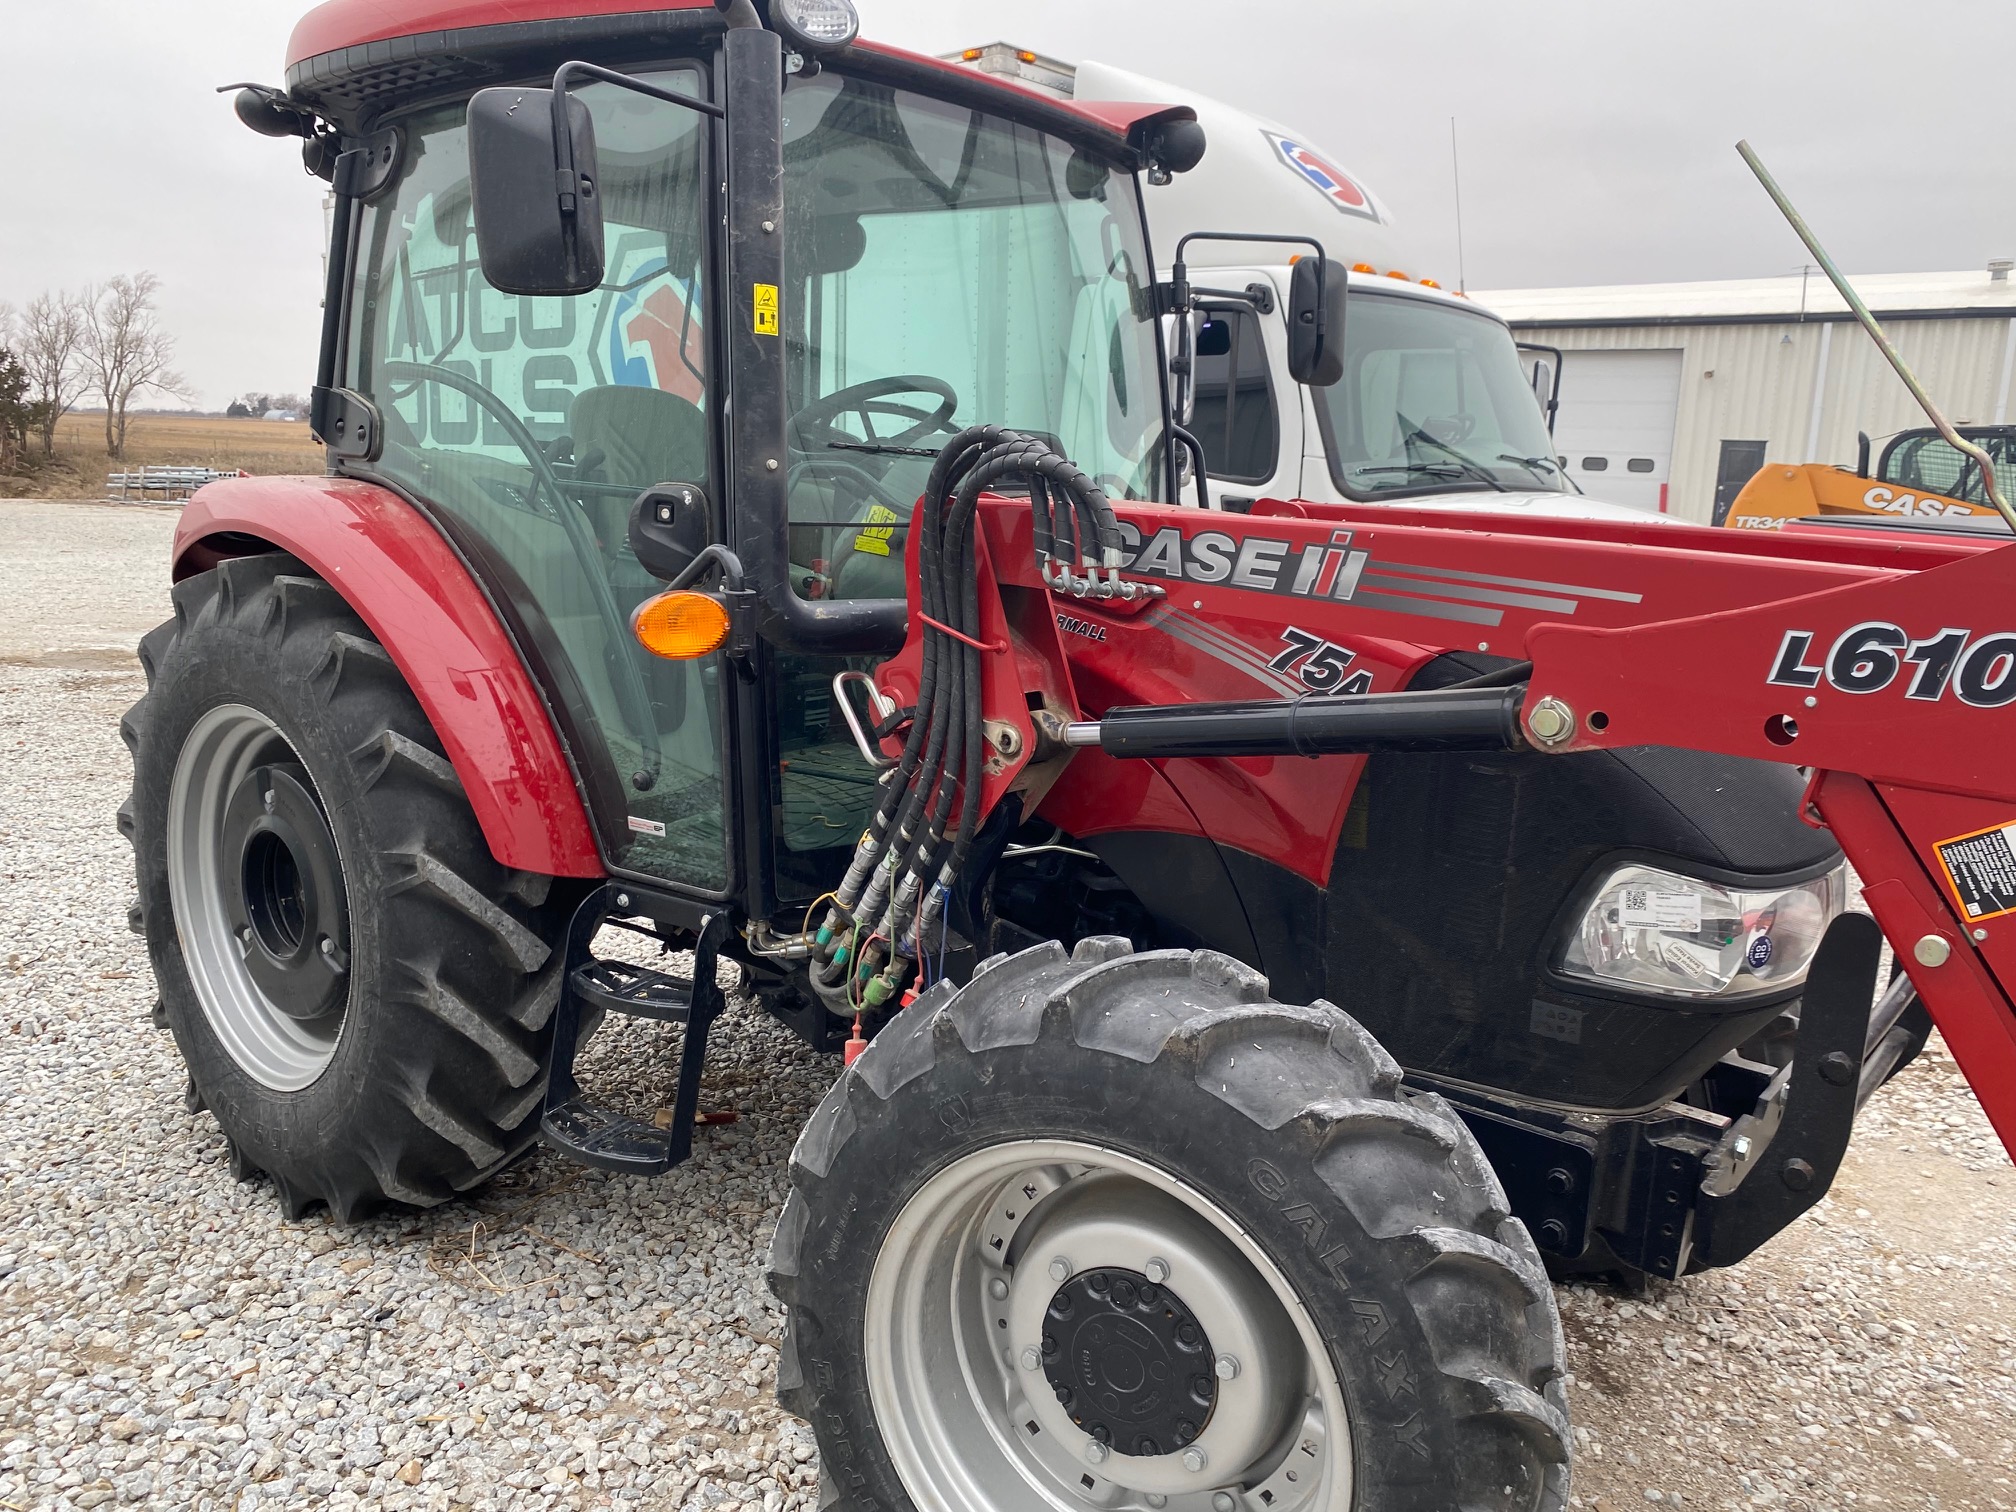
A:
(1672, 395)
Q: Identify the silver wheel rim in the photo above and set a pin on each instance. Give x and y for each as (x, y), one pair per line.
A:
(957, 1301)
(276, 1050)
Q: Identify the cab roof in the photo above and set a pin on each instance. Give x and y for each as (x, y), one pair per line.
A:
(351, 59)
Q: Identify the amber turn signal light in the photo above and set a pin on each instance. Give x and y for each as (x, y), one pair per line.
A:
(680, 626)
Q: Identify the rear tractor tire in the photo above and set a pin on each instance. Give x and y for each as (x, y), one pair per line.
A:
(361, 993)
(1115, 1231)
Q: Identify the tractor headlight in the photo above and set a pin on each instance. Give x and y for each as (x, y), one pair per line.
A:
(1657, 931)
(814, 27)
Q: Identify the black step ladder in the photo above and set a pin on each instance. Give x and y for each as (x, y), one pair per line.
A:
(598, 1136)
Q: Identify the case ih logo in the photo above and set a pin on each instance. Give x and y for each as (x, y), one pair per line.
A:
(1332, 182)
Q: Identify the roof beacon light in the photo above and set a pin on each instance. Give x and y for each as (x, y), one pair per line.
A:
(814, 27)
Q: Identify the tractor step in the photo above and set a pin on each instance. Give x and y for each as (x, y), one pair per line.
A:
(598, 1136)
(609, 1141)
(621, 987)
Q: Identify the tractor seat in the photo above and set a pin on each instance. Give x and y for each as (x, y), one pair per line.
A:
(636, 438)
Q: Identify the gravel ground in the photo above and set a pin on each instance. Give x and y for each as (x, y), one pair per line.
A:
(574, 1340)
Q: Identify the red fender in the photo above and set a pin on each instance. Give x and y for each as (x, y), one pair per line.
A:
(393, 567)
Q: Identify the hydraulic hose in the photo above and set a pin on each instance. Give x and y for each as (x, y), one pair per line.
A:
(921, 834)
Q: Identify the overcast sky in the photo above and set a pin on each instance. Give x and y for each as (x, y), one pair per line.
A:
(1596, 137)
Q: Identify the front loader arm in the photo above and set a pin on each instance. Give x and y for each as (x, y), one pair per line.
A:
(1888, 667)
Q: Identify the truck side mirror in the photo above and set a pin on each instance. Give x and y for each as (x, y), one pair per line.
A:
(538, 220)
(1316, 297)
(669, 526)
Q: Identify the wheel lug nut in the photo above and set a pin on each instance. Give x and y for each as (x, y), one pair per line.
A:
(1060, 1270)
(1157, 1270)
(998, 1289)
(1032, 1359)
(1096, 1452)
(1195, 1459)
(1222, 1501)
(1227, 1367)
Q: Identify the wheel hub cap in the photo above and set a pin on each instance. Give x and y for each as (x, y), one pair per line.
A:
(1129, 1362)
(286, 910)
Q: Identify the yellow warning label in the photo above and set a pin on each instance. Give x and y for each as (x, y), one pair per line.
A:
(879, 529)
(766, 309)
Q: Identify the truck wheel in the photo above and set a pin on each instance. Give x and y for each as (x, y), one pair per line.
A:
(1115, 1231)
(360, 991)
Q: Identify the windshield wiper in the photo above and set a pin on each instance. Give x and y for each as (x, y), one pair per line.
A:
(1534, 464)
(882, 449)
(1470, 465)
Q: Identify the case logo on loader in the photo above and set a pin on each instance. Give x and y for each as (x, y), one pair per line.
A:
(1930, 507)
(1339, 571)
(1326, 178)
(1869, 657)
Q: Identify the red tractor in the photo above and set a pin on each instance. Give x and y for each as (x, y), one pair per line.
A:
(755, 520)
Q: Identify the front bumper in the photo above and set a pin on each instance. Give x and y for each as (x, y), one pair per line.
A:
(1704, 1182)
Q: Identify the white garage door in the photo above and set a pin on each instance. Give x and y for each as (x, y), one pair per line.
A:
(1615, 425)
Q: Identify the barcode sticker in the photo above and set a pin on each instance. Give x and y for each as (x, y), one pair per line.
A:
(649, 827)
(1646, 908)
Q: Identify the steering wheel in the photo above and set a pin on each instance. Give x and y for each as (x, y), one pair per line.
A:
(1451, 428)
(875, 397)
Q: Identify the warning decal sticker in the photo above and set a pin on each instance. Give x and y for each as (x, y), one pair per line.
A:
(766, 309)
(1981, 870)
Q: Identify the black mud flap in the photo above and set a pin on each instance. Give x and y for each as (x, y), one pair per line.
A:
(1766, 1189)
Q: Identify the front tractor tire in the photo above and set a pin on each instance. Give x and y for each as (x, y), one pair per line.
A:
(1115, 1231)
(360, 991)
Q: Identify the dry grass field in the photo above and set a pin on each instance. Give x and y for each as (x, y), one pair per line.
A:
(80, 465)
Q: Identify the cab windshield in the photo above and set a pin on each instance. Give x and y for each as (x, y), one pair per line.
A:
(1927, 461)
(1433, 400)
(946, 268)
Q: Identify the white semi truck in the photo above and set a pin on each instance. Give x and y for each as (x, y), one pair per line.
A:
(1438, 406)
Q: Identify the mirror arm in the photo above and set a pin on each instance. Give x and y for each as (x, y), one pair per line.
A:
(1322, 264)
(1258, 297)
(565, 177)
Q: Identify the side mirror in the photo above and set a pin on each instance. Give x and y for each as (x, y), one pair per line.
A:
(669, 526)
(1316, 298)
(532, 234)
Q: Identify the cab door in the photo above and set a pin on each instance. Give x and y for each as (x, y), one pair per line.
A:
(527, 427)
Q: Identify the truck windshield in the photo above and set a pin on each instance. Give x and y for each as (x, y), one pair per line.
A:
(1433, 400)
(948, 267)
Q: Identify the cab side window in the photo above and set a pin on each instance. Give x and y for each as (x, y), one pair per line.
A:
(1235, 414)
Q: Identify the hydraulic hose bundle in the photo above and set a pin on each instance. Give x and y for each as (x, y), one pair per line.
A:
(887, 913)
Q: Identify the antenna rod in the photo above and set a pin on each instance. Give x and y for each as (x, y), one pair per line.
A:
(1847, 292)
(1456, 175)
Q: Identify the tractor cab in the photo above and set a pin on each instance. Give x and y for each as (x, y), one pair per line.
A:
(808, 278)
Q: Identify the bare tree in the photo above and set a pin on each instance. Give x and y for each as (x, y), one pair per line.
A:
(49, 340)
(127, 350)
